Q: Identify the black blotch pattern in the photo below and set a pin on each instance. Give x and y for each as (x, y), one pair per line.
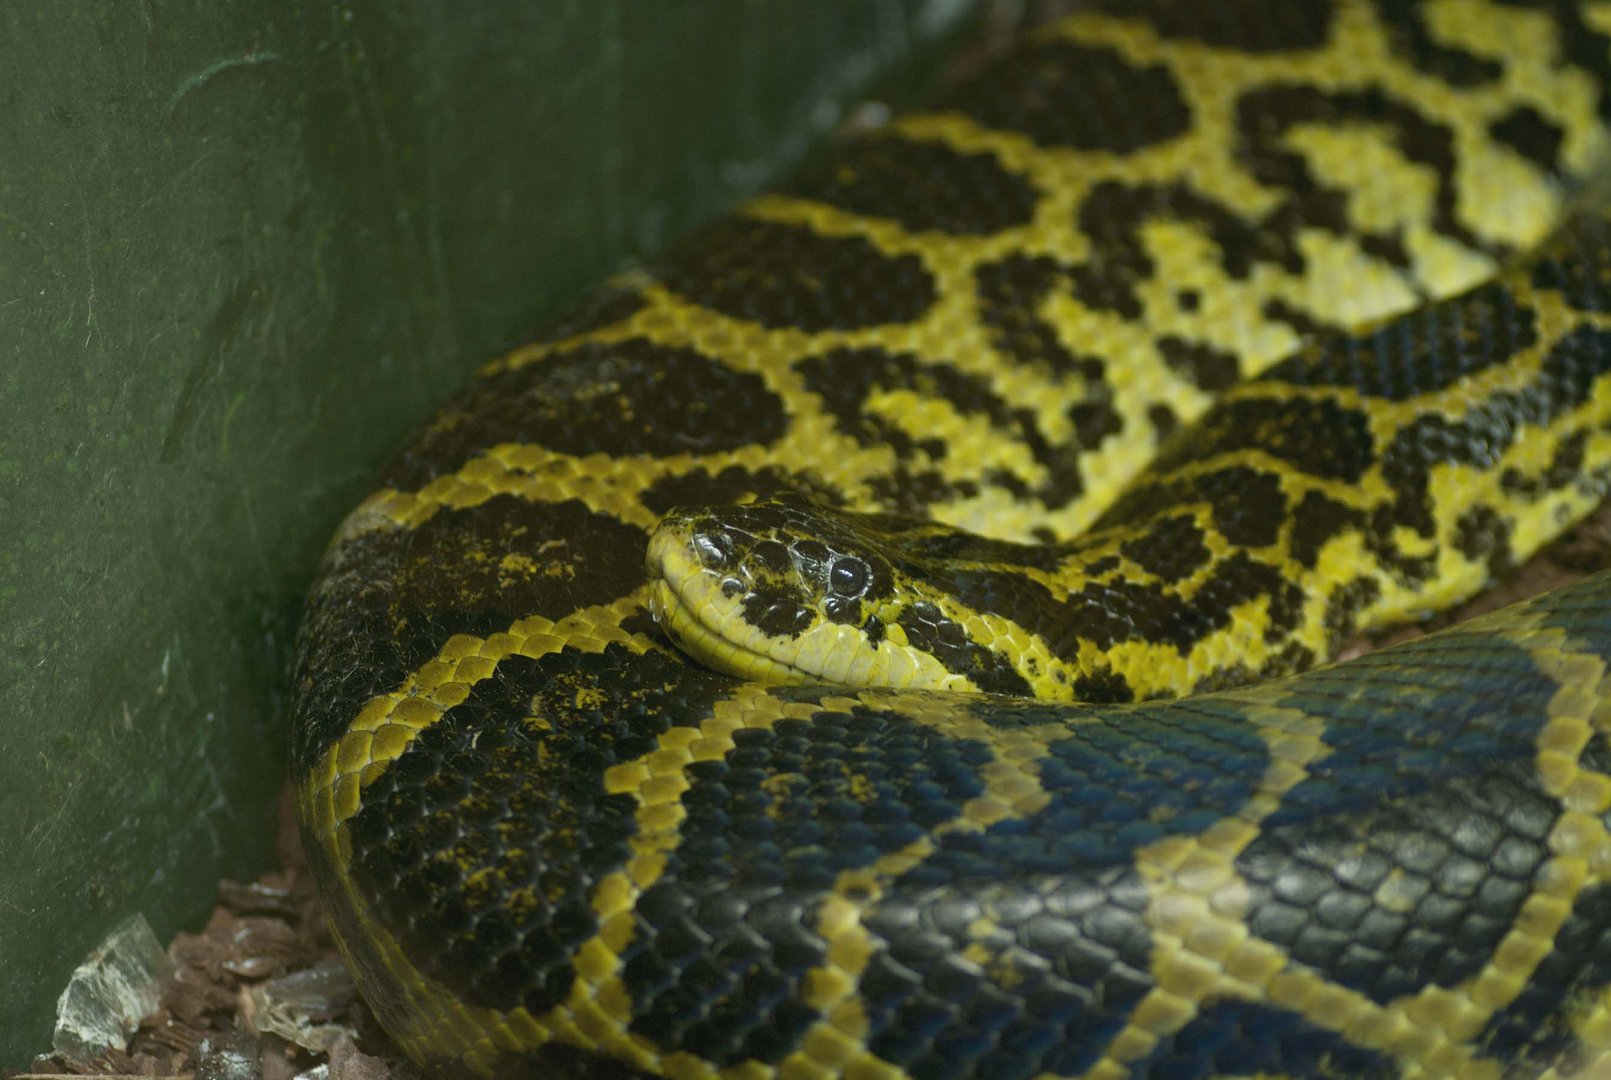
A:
(1248, 503)
(557, 1061)
(1565, 467)
(1243, 25)
(389, 598)
(482, 843)
(1381, 542)
(1389, 247)
(1566, 464)
(1568, 374)
(1421, 880)
(1302, 322)
(1164, 421)
(874, 630)
(1531, 134)
(1425, 352)
(923, 186)
(1313, 897)
(1580, 268)
(1107, 613)
(1342, 610)
(1290, 657)
(727, 937)
(1596, 756)
(1207, 367)
(1095, 420)
(942, 543)
(628, 397)
(1483, 535)
(791, 277)
(1103, 686)
(1409, 36)
(1012, 596)
(1113, 213)
(846, 378)
(1251, 1038)
(1054, 92)
(936, 1015)
(1318, 437)
(1104, 565)
(928, 630)
(1536, 1028)
(1265, 116)
(905, 490)
(1315, 520)
(641, 622)
(1011, 292)
(1115, 786)
(699, 487)
(1581, 45)
(1242, 578)
(1172, 549)
(778, 613)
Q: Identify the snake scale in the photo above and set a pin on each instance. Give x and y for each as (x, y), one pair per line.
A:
(1161, 357)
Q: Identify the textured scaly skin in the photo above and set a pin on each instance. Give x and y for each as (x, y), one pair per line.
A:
(549, 844)
(1327, 497)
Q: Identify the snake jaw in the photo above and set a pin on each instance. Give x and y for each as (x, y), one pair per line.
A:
(702, 609)
(678, 610)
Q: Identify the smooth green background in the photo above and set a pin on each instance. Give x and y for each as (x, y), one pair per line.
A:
(244, 246)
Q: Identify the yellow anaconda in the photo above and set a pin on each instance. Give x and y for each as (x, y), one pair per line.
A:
(891, 425)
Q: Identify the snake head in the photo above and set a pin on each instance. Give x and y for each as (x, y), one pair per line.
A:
(785, 589)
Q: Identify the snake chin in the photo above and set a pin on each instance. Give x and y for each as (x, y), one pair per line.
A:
(683, 609)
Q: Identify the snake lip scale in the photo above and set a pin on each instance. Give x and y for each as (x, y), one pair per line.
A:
(1118, 388)
(678, 614)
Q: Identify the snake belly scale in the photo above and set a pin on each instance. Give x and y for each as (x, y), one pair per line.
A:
(1161, 357)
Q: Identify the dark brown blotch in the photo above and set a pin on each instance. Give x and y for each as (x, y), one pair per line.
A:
(1172, 549)
(617, 398)
(1242, 25)
(1064, 94)
(389, 598)
(928, 630)
(783, 276)
(777, 612)
(925, 187)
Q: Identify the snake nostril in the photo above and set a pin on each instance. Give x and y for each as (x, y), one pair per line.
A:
(714, 549)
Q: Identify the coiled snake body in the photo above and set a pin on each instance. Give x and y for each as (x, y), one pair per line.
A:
(1168, 353)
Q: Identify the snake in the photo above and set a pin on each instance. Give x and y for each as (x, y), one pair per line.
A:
(897, 631)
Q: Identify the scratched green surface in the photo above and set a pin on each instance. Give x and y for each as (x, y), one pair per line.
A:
(244, 246)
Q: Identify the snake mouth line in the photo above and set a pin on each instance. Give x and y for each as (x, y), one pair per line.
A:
(680, 617)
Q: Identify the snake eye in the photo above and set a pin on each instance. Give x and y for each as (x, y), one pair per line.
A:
(848, 577)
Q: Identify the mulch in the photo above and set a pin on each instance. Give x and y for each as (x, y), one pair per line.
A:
(258, 993)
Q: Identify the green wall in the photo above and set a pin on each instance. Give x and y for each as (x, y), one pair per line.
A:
(244, 246)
